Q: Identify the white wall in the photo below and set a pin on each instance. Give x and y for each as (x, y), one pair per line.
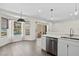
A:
(32, 30)
(33, 23)
(6, 39)
(10, 33)
(13, 38)
(64, 27)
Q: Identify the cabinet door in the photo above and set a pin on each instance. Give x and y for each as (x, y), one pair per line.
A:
(62, 47)
(43, 43)
(73, 50)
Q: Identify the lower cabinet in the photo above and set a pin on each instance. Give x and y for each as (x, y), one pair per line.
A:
(68, 47)
(62, 48)
(43, 43)
(73, 50)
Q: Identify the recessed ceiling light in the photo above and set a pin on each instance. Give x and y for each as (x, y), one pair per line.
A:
(51, 18)
(76, 12)
(39, 10)
(71, 14)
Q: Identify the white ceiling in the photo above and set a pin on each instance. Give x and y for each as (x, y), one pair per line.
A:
(61, 10)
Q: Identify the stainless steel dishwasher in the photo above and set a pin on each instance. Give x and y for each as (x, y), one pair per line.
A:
(51, 45)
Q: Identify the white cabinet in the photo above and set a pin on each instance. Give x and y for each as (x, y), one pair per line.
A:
(43, 43)
(68, 47)
(73, 50)
(62, 47)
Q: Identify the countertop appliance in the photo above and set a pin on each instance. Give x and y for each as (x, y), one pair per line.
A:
(51, 45)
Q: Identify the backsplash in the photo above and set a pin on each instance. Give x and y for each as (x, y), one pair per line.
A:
(64, 27)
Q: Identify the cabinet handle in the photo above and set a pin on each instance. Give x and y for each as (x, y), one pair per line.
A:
(67, 45)
(67, 49)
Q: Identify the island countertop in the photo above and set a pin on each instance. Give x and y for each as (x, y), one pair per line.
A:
(54, 36)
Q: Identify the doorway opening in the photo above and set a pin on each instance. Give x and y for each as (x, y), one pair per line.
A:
(41, 29)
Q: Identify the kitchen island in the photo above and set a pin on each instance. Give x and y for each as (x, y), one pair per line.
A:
(66, 46)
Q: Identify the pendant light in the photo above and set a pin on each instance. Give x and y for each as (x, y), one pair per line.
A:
(51, 14)
(76, 9)
(21, 19)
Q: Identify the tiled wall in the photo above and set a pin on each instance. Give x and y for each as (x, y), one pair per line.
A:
(64, 27)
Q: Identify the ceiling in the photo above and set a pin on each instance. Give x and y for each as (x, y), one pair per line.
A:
(41, 10)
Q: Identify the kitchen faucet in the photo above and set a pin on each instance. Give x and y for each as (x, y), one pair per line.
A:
(71, 32)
